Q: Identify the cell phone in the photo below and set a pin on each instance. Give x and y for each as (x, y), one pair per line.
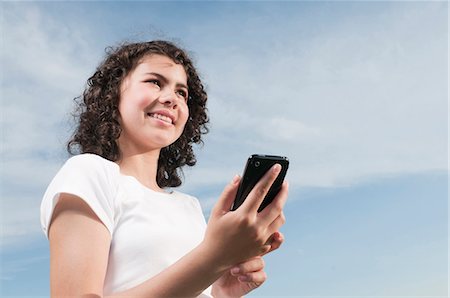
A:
(257, 165)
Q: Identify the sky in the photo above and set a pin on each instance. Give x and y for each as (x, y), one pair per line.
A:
(354, 93)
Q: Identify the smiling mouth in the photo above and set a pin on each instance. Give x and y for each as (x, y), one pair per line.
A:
(160, 117)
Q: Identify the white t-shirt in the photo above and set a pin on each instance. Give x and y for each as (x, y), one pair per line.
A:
(150, 230)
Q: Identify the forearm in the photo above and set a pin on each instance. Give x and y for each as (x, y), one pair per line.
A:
(188, 277)
(218, 292)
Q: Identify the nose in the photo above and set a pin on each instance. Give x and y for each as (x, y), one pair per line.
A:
(168, 98)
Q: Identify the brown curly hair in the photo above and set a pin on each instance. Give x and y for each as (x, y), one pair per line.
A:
(98, 113)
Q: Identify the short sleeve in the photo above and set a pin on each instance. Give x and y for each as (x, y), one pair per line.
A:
(89, 177)
(198, 209)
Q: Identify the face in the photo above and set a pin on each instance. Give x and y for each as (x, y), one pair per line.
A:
(153, 104)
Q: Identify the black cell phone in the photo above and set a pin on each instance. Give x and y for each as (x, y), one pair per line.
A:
(257, 165)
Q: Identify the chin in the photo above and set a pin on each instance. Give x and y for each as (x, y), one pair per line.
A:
(163, 143)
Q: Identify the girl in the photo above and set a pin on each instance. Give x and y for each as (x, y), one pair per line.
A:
(114, 228)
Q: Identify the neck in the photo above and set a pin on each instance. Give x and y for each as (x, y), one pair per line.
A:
(142, 166)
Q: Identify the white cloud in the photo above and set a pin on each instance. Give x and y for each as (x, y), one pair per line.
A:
(364, 98)
(289, 130)
(44, 69)
(41, 51)
(44, 65)
(353, 97)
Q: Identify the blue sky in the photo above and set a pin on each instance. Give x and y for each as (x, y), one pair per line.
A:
(354, 93)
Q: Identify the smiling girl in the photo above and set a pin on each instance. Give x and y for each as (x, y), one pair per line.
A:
(114, 227)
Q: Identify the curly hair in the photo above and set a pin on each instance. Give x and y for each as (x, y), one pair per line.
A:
(98, 113)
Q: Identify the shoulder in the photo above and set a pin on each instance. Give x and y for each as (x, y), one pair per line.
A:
(182, 195)
(90, 177)
(188, 198)
(91, 165)
(87, 172)
(91, 160)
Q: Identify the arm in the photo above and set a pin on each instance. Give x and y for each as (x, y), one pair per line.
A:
(79, 246)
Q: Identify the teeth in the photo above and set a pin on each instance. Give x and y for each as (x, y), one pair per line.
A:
(161, 117)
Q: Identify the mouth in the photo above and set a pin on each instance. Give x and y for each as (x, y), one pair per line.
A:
(160, 117)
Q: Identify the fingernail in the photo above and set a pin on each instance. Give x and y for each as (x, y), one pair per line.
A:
(276, 168)
(279, 237)
(235, 270)
(235, 179)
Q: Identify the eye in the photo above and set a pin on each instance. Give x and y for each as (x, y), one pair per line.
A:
(154, 82)
(183, 94)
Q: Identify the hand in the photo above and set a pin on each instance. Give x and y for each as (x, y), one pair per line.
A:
(245, 277)
(241, 279)
(233, 237)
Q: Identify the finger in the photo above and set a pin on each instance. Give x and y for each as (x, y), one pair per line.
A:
(252, 265)
(276, 224)
(258, 277)
(264, 249)
(274, 209)
(226, 199)
(257, 194)
(275, 241)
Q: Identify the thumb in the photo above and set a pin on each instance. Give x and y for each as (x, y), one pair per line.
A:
(226, 199)
(275, 241)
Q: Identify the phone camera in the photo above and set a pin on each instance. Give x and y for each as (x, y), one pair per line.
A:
(257, 163)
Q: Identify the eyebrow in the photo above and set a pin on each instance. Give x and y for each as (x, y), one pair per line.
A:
(165, 80)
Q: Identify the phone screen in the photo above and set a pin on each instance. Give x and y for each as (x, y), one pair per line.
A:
(257, 165)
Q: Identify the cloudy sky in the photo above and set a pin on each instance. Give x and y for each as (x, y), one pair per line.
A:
(354, 93)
